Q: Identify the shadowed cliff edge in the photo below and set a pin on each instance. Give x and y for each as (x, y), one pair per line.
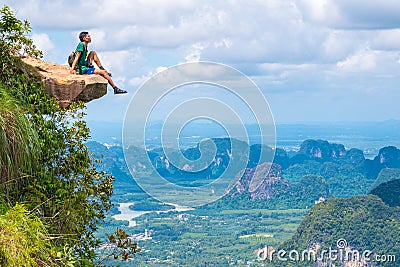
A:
(65, 87)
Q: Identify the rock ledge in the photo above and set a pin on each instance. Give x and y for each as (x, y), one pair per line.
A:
(68, 88)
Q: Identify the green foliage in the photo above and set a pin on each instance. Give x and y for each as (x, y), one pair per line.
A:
(343, 178)
(120, 247)
(299, 195)
(209, 238)
(18, 143)
(24, 240)
(22, 82)
(365, 222)
(389, 192)
(302, 194)
(13, 33)
(386, 175)
(64, 190)
(211, 234)
(68, 189)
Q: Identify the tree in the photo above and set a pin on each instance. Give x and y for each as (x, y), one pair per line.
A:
(13, 33)
(64, 189)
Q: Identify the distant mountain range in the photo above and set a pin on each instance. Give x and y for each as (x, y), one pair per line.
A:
(318, 169)
(354, 202)
(351, 134)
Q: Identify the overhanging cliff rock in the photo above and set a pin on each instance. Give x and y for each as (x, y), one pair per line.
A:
(68, 88)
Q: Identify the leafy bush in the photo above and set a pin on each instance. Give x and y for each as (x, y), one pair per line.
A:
(24, 240)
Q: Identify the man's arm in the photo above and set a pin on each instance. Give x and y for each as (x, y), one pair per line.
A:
(73, 67)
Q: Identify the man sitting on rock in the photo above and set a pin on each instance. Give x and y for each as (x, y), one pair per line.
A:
(84, 62)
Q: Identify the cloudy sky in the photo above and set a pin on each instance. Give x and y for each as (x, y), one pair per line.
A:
(314, 60)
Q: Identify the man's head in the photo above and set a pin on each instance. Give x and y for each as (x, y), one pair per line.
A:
(82, 36)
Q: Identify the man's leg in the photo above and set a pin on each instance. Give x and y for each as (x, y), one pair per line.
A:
(105, 74)
(93, 57)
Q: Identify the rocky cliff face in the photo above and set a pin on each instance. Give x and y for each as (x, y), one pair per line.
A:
(68, 88)
(389, 157)
(259, 181)
(319, 149)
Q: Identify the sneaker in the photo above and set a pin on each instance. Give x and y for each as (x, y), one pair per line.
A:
(119, 91)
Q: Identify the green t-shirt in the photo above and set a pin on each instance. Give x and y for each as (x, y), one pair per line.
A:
(82, 62)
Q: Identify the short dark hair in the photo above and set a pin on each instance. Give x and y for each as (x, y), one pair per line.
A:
(82, 35)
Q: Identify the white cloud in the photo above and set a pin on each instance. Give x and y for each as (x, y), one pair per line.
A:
(340, 44)
(320, 11)
(235, 31)
(373, 63)
(362, 61)
(115, 61)
(386, 40)
(260, 31)
(194, 54)
(43, 42)
(287, 47)
(137, 81)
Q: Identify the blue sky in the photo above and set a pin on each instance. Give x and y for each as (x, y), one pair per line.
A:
(314, 60)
